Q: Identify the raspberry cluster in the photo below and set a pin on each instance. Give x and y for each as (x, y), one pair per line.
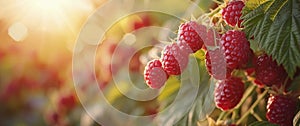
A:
(174, 58)
(234, 53)
(225, 59)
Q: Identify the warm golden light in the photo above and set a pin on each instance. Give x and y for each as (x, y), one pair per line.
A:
(46, 15)
(18, 31)
(47, 5)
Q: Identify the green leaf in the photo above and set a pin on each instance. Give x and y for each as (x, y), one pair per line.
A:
(194, 99)
(203, 4)
(171, 87)
(275, 25)
(204, 104)
(252, 4)
(262, 123)
(254, 45)
(184, 99)
(205, 101)
(295, 86)
(182, 122)
(180, 105)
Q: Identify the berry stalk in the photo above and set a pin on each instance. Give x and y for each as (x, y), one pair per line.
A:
(224, 114)
(258, 118)
(248, 92)
(252, 107)
(216, 10)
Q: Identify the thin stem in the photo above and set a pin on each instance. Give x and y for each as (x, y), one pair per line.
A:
(221, 116)
(213, 12)
(217, 2)
(256, 116)
(285, 82)
(252, 107)
(246, 95)
(227, 114)
(234, 114)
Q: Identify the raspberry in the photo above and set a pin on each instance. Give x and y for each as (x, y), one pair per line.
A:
(188, 37)
(216, 64)
(281, 109)
(212, 40)
(67, 103)
(145, 20)
(154, 74)
(268, 72)
(228, 93)
(236, 47)
(174, 59)
(53, 118)
(232, 13)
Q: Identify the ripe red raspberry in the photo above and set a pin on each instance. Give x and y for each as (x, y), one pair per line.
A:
(67, 103)
(174, 59)
(145, 20)
(281, 109)
(154, 74)
(268, 72)
(212, 40)
(236, 47)
(228, 93)
(54, 118)
(188, 37)
(232, 13)
(216, 64)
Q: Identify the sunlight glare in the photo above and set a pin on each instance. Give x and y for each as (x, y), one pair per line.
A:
(47, 5)
(46, 15)
(18, 31)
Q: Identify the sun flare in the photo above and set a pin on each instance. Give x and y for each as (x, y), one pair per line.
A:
(46, 15)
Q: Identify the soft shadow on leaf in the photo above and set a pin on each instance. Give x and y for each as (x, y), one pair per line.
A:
(179, 107)
(195, 101)
(171, 87)
(205, 101)
(203, 106)
(295, 85)
(185, 97)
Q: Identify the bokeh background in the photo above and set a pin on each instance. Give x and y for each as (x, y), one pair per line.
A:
(37, 39)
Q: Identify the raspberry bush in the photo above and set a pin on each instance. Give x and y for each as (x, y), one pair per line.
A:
(249, 69)
(150, 62)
